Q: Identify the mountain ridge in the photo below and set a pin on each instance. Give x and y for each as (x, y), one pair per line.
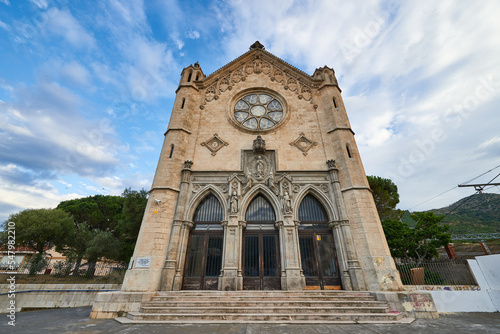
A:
(478, 213)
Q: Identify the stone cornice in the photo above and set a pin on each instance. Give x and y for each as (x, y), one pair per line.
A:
(356, 188)
(345, 128)
(177, 129)
(163, 188)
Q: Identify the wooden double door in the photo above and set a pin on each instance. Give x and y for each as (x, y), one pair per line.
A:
(319, 261)
(261, 260)
(203, 261)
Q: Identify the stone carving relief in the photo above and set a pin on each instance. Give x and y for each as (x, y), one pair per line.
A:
(287, 203)
(278, 76)
(331, 163)
(238, 75)
(257, 65)
(233, 205)
(303, 143)
(266, 68)
(291, 84)
(305, 93)
(224, 84)
(211, 93)
(214, 144)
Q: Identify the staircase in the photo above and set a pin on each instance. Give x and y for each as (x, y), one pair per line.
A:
(284, 307)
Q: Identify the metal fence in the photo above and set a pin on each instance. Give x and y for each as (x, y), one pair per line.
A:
(435, 272)
(67, 272)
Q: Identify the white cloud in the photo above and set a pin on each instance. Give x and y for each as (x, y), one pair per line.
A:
(410, 74)
(40, 3)
(62, 23)
(4, 26)
(76, 73)
(6, 2)
(489, 142)
(193, 34)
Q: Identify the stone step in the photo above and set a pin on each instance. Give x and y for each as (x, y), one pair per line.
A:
(268, 310)
(267, 317)
(258, 293)
(263, 307)
(216, 299)
(264, 303)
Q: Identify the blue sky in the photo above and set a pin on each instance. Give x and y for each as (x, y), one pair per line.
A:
(86, 88)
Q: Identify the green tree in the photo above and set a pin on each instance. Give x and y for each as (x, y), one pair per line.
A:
(386, 197)
(429, 235)
(38, 230)
(399, 237)
(420, 242)
(129, 224)
(92, 216)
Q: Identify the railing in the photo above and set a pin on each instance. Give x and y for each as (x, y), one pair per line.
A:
(475, 236)
(435, 272)
(67, 272)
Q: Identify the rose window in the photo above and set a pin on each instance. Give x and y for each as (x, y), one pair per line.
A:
(258, 111)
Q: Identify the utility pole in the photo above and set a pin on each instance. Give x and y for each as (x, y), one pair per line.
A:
(479, 187)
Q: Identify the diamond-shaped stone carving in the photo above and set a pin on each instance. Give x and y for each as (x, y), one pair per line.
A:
(214, 144)
(303, 143)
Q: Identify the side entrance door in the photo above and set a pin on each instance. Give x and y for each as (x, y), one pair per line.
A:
(203, 261)
(319, 261)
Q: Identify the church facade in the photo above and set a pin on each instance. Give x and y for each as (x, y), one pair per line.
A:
(260, 186)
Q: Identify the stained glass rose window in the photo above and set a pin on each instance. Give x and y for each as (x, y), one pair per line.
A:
(258, 111)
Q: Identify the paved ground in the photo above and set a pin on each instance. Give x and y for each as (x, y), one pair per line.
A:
(76, 320)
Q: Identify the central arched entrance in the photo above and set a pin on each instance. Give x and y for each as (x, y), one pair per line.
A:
(317, 247)
(261, 257)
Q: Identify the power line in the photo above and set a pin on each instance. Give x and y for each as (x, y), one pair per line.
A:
(468, 199)
(482, 175)
(430, 199)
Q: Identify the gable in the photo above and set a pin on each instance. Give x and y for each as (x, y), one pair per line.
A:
(258, 62)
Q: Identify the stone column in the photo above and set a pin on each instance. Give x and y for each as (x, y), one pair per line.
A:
(341, 251)
(181, 255)
(231, 254)
(291, 273)
(344, 241)
(171, 264)
(242, 225)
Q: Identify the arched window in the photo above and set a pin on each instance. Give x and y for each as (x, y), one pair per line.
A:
(311, 210)
(197, 76)
(209, 210)
(190, 75)
(260, 210)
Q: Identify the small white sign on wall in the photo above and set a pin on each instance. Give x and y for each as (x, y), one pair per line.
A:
(143, 262)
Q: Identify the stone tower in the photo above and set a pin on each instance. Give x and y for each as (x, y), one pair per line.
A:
(260, 185)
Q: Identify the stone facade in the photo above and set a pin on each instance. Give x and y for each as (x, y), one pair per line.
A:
(306, 147)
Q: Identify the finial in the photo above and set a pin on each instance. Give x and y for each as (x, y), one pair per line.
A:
(259, 145)
(257, 45)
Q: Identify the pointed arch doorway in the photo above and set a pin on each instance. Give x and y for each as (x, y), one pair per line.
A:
(317, 247)
(261, 256)
(204, 250)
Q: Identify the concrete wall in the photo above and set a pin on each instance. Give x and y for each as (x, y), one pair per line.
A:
(486, 270)
(52, 295)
